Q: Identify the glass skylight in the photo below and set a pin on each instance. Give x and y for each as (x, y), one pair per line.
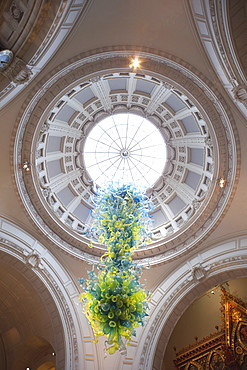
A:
(127, 148)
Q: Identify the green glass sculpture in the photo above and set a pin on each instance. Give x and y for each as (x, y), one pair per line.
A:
(114, 301)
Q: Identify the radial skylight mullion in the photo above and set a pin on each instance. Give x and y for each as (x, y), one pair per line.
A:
(107, 169)
(147, 156)
(146, 165)
(130, 172)
(118, 169)
(127, 127)
(96, 164)
(101, 152)
(144, 138)
(139, 171)
(98, 141)
(116, 127)
(110, 137)
(135, 134)
(146, 147)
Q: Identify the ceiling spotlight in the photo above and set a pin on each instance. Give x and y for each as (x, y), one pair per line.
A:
(135, 63)
(222, 182)
(26, 166)
(53, 354)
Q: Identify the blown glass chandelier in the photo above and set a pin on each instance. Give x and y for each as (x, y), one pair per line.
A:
(114, 301)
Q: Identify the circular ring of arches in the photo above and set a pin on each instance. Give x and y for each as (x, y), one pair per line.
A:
(197, 215)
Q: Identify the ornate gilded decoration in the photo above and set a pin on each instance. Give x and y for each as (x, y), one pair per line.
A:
(224, 349)
(204, 354)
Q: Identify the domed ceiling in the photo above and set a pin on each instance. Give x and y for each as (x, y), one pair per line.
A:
(56, 185)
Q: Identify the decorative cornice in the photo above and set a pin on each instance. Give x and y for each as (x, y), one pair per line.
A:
(204, 344)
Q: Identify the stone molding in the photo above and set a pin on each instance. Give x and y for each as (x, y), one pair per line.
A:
(240, 93)
(18, 72)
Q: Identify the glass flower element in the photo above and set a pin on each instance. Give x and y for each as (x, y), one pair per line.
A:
(125, 147)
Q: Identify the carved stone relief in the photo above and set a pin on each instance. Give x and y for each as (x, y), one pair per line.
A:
(18, 72)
